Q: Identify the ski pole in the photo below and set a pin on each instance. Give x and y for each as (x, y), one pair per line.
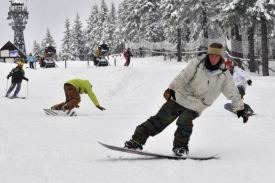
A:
(7, 85)
(27, 88)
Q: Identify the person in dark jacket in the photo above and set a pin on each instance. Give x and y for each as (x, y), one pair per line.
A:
(127, 55)
(17, 75)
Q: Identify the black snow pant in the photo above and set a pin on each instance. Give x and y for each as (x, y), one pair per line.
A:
(169, 112)
(31, 65)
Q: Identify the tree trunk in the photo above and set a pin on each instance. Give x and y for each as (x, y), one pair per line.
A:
(251, 49)
(204, 21)
(179, 46)
(264, 48)
(238, 54)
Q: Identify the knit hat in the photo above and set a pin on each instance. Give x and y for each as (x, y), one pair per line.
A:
(215, 49)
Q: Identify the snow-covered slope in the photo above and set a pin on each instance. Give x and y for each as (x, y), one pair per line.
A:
(36, 148)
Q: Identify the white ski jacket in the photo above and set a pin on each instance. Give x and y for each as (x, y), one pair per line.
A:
(240, 77)
(196, 89)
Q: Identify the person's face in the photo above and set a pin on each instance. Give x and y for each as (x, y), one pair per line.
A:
(214, 59)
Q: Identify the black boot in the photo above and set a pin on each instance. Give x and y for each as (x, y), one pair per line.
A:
(180, 150)
(133, 144)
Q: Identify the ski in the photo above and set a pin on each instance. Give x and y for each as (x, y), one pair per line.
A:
(15, 97)
(52, 112)
(157, 155)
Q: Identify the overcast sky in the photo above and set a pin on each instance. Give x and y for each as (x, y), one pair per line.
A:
(45, 14)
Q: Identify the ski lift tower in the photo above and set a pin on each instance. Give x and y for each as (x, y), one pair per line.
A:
(18, 14)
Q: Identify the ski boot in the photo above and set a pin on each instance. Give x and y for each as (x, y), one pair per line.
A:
(133, 144)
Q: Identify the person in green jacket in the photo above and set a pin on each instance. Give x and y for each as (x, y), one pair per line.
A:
(73, 88)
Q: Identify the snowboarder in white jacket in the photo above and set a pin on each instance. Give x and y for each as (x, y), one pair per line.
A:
(192, 91)
(240, 78)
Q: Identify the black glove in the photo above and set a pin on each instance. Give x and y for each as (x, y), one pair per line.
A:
(168, 94)
(249, 82)
(8, 77)
(77, 106)
(100, 108)
(27, 79)
(242, 114)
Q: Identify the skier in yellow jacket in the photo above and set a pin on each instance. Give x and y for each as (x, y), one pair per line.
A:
(73, 88)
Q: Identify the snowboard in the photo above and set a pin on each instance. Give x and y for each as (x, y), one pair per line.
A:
(52, 112)
(228, 106)
(157, 155)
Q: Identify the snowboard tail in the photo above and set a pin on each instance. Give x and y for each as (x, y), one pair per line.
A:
(52, 112)
(157, 155)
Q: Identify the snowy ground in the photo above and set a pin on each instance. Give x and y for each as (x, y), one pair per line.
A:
(36, 148)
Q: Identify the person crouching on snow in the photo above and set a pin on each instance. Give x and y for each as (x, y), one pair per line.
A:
(73, 88)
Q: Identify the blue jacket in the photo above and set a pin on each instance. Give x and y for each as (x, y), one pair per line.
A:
(31, 58)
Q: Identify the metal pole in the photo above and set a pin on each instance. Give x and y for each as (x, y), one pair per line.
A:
(7, 85)
(27, 88)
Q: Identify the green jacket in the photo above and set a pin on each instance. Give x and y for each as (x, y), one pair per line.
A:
(84, 87)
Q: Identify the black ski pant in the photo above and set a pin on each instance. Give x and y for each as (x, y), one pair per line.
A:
(128, 61)
(31, 65)
(18, 87)
(169, 112)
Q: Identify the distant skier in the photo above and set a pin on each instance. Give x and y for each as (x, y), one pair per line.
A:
(17, 74)
(127, 55)
(240, 78)
(73, 88)
(31, 60)
(189, 94)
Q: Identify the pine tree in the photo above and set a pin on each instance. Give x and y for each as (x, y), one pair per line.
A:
(264, 11)
(78, 42)
(48, 39)
(66, 49)
(36, 48)
(92, 30)
(109, 27)
(131, 21)
(119, 31)
(150, 25)
(103, 16)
